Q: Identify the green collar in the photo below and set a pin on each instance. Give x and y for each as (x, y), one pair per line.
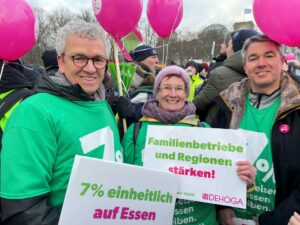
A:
(191, 120)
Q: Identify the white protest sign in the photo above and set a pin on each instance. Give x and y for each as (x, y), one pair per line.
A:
(256, 142)
(104, 192)
(204, 158)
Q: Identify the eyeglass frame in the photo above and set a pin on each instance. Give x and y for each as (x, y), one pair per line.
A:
(169, 89)
(87, 60)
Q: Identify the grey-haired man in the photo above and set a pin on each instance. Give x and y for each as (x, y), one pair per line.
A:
(48, 129)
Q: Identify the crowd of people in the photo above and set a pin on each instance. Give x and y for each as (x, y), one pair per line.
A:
(247, 88)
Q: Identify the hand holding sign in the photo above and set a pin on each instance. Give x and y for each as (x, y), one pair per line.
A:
(246, 172)
(122, 196)
(205, 160)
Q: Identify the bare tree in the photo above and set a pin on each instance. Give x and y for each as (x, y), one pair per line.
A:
(148, 34)
(48, 26)
(87, 15)
(42, 42)
(181, 46)
(58, 18)
(213, 33)
(184, 45)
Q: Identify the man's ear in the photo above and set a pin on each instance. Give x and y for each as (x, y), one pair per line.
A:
(245, 68)
(61, 66)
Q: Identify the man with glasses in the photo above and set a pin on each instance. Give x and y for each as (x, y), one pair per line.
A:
(67, 118)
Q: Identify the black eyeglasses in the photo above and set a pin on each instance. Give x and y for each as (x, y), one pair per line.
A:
(82, 60)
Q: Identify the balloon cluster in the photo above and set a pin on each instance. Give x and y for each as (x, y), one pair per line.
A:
(278, 19)
(119, 17)
(19, 29)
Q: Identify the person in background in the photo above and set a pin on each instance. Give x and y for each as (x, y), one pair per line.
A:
(221, 77)
(203, 70)
(267, 101)
(170, 107)
(218, 60)
(49, 58)
(48, 129)
(145, 59)
(192, 68)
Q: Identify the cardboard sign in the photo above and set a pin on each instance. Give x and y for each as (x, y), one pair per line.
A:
(104, 192)
(204, 159)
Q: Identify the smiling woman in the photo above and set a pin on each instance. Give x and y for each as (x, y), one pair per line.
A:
(169, 107)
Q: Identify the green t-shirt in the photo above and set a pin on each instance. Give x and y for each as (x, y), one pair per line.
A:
(186, 212)
(41, 139)
(262, 199)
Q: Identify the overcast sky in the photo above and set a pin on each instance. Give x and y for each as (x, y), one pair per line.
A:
(197, 13)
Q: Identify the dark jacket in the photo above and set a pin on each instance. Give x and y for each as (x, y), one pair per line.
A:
(219, 62)
(14, 76)
(219, 79)
(285, 147)
(56, 87)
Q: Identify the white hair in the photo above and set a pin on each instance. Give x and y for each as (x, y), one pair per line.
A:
(83, 29)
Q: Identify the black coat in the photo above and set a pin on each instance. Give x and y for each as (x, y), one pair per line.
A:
(285, 151)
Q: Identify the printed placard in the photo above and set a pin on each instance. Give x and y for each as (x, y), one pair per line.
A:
(204, 159)
(104, 192)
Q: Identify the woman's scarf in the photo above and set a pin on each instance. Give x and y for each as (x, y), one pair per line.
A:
(151, 109)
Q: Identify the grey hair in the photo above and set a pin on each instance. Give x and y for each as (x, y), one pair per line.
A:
(83, 29)
(258, 39)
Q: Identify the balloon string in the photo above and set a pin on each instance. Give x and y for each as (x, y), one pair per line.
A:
(2, 68)
(167, 54)
(163, 56)
(173, 26)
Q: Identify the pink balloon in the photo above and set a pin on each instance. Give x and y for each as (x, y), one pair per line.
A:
(279, 19)
(118, 17)
(19, 29)
(164, 16)
(289, 56)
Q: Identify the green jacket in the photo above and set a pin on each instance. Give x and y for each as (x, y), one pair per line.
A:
(195, 81)
(187, 212)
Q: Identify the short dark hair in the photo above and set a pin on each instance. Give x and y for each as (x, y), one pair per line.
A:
(258, 39)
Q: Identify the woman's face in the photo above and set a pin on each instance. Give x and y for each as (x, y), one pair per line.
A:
(171, 93)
